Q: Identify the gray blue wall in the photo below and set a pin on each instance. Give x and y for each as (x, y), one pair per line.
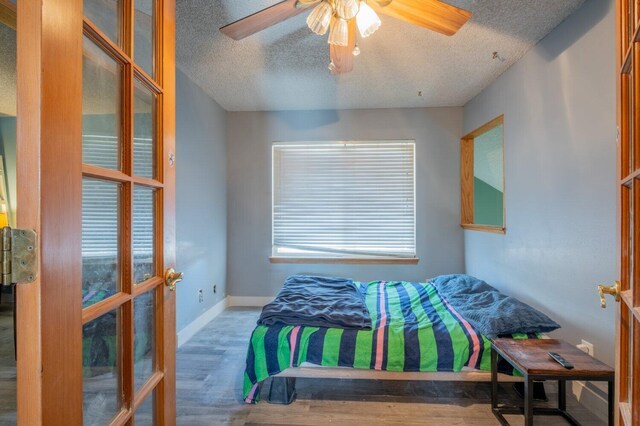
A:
(439, 237)
(201, 203)
(560, 165)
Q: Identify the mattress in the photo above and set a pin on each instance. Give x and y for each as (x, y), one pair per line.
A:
(414, 330)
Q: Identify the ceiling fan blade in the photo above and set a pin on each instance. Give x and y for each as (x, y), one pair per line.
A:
(342, 56)
(430, 14)
(263, 19)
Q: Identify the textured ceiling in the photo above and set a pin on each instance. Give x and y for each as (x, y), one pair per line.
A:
(285, 66)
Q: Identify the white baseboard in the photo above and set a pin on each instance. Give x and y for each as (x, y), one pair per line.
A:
(248, 301)
(196, 325)
(592, 396)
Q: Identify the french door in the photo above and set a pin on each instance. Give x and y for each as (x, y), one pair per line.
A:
(628, 330)
(96, 180)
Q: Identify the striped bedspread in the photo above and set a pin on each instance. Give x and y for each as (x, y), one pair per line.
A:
(414, 329)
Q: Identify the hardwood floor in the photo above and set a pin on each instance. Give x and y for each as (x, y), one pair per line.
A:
(209, 387)
(7, 365)
(209, 391)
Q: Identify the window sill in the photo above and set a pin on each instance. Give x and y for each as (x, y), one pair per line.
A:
(485, 228)
(347, 260)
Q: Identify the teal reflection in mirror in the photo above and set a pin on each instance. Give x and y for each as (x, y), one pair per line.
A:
(482, 178)
(488, 178)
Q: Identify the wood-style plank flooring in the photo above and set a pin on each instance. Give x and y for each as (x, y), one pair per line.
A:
(7, 365)
(209, 386)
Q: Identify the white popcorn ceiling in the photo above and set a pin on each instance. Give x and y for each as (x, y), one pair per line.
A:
(285, 66)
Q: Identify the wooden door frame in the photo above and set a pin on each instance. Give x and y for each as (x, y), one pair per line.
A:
(628, 195)
(49, 87)
(619, 225)
(29, 347)
(49, 175)
(167, 77)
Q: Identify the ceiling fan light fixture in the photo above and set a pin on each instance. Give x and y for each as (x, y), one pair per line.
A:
(320, 18)
(339, 34)
(367, 20)
(347, 9)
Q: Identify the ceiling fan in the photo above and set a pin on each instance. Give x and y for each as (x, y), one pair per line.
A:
(342, 18)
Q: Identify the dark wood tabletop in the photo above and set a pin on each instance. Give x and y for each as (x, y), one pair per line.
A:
(531, 357)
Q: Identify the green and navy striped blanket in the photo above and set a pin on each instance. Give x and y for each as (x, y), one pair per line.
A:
(414, 329)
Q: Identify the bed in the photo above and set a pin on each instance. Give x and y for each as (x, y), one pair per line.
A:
(414, 333)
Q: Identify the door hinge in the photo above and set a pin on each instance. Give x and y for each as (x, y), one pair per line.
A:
(19, 256)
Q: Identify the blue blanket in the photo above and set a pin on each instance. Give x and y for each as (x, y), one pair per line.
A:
(491, 312)
(318, 302)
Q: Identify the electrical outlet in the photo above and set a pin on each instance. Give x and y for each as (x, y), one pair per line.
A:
(586, 347)
(215, 288)
(200, 296)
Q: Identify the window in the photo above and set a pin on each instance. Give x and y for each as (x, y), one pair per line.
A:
(344, 200)
(482, 178)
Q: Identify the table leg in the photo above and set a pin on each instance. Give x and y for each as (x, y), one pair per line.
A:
(494, 379)
(562, 395)
(528, 401)
(612, 402)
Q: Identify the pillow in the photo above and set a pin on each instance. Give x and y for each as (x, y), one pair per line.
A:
(491, 312)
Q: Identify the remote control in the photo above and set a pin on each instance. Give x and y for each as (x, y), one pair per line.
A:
(560, 360)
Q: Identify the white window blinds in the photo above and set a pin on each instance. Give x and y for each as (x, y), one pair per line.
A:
(101, 200)
(345, 199)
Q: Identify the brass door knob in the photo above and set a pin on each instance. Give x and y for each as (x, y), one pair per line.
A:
(172, 277)
(613, 290)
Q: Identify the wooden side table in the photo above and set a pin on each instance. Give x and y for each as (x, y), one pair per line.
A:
(530, 357)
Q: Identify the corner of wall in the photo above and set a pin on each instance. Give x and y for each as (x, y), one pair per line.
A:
(201, 207)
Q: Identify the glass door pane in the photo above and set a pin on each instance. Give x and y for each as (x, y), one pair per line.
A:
(144, 131)
(630, 20)
(144, 36)
(634, 362)
(101, 352)
(144, 229)
(100, 240)
(629, 367)
(101, 107)
(144, 343)
(107, 16)
(8, 105)
(145, 414)
(631, 131)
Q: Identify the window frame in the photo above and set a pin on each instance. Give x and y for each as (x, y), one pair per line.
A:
(467, 163)
(329, 258)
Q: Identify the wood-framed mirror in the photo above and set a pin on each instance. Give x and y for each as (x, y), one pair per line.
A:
(482, 178)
